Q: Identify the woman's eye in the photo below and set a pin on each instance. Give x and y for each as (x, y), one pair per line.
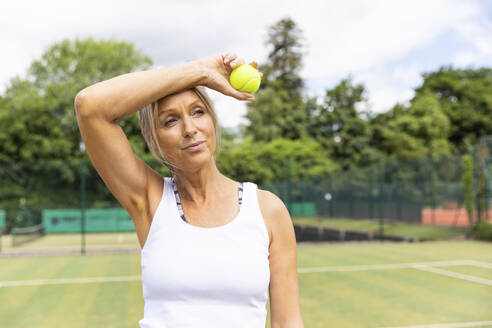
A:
(200, 111)
(170, 121)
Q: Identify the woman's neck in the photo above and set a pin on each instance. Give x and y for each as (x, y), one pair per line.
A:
(201, 187)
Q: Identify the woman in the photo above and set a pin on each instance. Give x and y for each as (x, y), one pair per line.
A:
(211, 246)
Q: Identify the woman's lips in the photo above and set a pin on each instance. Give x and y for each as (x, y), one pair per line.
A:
(195, 147)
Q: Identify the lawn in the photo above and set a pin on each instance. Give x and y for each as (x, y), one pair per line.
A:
(341, 285)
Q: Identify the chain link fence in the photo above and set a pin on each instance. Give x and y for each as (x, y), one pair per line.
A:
(69, 197)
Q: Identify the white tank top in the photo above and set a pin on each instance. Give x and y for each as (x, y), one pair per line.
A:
(206, 277)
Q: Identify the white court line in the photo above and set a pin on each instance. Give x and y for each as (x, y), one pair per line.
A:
(381, 266)
(300, 270)
(70, 247)
(67, 281)
(480, 264)
(454, 274)
(451, 325)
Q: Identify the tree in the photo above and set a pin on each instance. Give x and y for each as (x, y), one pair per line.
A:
(337, 124)
(38, 118)
(420, 130)
(265, 162)
(465, 96)
(279, 110)
(39, 134)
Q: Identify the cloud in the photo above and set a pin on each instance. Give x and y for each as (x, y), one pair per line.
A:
(478, 33)
(378, 42)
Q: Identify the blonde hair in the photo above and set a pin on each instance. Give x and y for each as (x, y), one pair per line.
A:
(148, 117)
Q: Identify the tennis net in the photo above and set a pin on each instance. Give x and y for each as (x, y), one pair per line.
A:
(24, 235)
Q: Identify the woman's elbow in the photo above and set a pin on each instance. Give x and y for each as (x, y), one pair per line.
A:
(80, 100)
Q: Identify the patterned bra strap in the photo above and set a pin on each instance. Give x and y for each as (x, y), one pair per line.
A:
(178, 201)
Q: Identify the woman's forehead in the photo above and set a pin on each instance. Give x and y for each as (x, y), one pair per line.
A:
(186, 97)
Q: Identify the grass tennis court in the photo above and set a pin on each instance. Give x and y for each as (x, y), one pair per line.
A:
(341, 285)
(128, 240)
(72, 241)
(394, 228)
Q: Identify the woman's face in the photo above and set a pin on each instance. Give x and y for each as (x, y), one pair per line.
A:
(183, 120)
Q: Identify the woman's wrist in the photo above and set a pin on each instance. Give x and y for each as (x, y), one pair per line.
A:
(195, 72)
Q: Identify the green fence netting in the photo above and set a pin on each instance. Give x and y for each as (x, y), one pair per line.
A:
(55, 192)
(389, 189)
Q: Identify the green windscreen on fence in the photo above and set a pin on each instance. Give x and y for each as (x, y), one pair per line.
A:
(96, 220)
(2, 219)
(304, 209)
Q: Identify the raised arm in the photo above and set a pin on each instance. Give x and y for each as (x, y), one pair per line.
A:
(100, 105)
(125, 94)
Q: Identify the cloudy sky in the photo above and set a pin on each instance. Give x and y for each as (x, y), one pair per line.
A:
(384, 44)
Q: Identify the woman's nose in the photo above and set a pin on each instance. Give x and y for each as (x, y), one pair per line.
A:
(189, 127)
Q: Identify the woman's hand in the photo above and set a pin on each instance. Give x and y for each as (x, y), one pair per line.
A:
(218, 70)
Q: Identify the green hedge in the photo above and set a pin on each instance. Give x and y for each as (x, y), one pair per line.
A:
(482, 231)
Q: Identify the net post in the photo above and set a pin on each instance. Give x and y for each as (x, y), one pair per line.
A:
(380, 199)
(397, 192)
(82, 206)
(369, 194)
(330, 188)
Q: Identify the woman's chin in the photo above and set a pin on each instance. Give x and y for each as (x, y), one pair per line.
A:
(198, 159)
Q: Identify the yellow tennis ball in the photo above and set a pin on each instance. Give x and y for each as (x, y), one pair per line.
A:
(245, 78)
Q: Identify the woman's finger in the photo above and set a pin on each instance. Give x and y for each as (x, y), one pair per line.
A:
(237, 62)
(239, 95)
(230, 57)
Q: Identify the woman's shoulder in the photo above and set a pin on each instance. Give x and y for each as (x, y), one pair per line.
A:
(270, 203)
(274, 211)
